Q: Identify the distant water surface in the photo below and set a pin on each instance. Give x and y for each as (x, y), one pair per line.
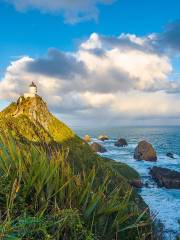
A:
(163, 202)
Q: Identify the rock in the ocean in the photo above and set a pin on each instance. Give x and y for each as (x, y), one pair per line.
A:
(170, 155)
(145, 151)
(166, 177)
(87, 138)
(121, 142)
(136, 183)
(103, 137)
(96, 147)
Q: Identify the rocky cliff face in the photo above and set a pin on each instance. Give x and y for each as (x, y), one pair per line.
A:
(31, 118)
(34, 108)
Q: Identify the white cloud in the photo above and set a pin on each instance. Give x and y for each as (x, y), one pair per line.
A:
(125, 63)
(106, 77)
(136, 104)
(73, 11)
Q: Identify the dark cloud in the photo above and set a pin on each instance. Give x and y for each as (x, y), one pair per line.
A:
(171, 37)
(168, 42)
(57, 64)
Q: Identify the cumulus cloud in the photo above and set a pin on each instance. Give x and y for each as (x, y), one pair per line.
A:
(104, 65)
(73, 11)
(127, 65)
(118, 77)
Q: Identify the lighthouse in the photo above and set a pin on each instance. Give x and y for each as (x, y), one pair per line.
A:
(32, 91)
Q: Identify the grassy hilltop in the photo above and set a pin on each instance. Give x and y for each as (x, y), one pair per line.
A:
(53, 186)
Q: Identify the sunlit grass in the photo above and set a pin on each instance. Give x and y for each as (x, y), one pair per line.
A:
(42, 197)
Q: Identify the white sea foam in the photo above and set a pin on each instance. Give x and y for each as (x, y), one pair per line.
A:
(132, 145)
(163, 202)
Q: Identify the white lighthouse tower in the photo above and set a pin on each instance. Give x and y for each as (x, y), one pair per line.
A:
(32, 91)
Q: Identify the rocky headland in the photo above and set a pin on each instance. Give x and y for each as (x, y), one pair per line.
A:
(92, 182)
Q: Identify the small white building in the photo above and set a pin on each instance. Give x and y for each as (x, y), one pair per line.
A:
(32, 91)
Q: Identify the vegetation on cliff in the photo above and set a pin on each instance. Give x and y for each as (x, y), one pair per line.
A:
(53, 186)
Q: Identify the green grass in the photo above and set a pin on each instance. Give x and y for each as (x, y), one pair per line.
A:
(123, 169)
(43, 197)
(53, 186)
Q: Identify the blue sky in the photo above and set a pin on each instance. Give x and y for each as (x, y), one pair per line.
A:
(31, 31)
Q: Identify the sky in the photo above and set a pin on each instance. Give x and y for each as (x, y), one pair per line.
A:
(95, 62)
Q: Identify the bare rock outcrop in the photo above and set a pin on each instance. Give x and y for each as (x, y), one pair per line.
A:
(121, 142)
(145, 151)
(87, 138)
(103, 137)
(166, 177)
(96, 147)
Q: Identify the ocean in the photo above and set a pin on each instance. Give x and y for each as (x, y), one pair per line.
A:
(164, 203)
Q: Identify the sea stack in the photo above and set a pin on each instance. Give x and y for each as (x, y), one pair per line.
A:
(145, 151)
(121, 143)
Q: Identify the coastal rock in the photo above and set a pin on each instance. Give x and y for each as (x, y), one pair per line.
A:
(170, 155)
(96, 147)
(103, 137)
(145, 151)
(121, 142)
(166, 177)
(136, 183)
(87, 138)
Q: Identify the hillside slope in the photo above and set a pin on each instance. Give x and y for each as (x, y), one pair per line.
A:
(30, 122)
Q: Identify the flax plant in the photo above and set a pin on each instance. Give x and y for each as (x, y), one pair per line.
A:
(42, 198)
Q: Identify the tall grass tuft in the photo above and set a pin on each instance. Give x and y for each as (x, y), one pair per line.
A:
(41, 197)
